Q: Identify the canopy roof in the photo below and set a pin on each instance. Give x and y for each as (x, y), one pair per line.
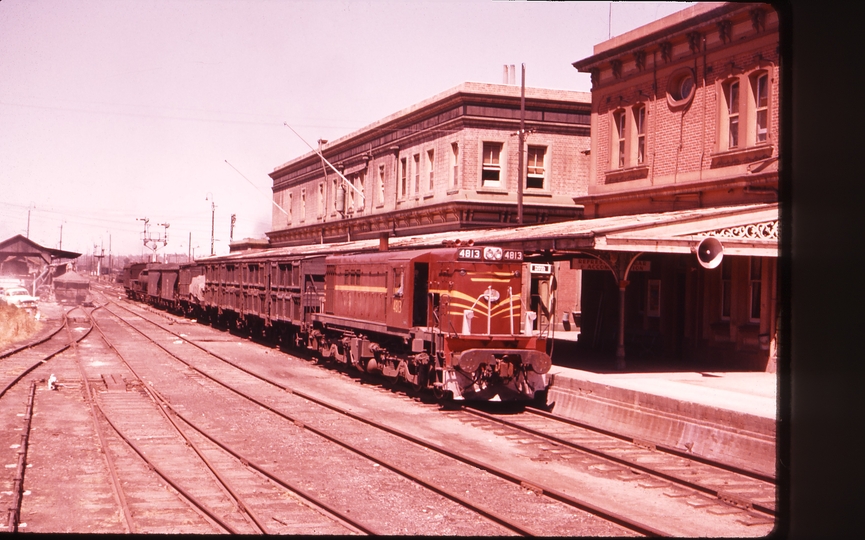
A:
(21, 246)
(749, 230)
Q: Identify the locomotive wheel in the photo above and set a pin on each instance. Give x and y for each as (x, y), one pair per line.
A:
(420, 380)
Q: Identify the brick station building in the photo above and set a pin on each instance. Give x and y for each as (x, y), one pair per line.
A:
(447, 163)
(685, 115)
(684, 147)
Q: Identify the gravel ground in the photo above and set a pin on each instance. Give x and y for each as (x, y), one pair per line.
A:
(641, 500)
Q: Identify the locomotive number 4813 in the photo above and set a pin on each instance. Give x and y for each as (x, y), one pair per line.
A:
(489, 254)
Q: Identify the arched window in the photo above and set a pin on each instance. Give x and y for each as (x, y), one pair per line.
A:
(745, 111)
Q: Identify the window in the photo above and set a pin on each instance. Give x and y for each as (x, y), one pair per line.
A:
(619, 139)
(492, 170)
(726, 287)
(680, 88)
(755, 281)
(321, 202)
(431, 166)
(303, 204)
(628, 142)
(745, 114)
(640, 124)
(288, 208)
(416, 174)
(535, 172)
(335, 194)
(731, 96)
(455, 154)
(350, 194)
(361, 188)
(380, 190)
(403, 175)
(761, 101)
(398, 282)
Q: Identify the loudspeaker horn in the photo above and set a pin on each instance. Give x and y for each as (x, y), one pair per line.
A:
(709, 252)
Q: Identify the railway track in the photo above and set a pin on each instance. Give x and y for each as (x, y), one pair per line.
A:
(229, 489)
(489, 468)
(729, 489)
(38, 359)
(18, 362)
(351, 430)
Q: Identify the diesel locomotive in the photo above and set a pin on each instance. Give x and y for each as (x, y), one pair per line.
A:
(450, 319)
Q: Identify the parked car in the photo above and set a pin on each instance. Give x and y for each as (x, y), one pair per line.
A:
(19, 297)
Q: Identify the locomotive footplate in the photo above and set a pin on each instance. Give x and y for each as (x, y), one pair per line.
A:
(470, 360)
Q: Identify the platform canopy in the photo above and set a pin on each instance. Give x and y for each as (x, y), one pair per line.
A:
(22, 247)
(747, 230)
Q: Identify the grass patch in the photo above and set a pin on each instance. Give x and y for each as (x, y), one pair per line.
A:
(15, 325)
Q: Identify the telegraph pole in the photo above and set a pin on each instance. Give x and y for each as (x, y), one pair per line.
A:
(209, 197)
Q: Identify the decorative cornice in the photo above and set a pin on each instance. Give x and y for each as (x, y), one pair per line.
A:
(767, 230)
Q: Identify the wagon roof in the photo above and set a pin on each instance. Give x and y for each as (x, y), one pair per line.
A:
(394, 256)
(71, 277)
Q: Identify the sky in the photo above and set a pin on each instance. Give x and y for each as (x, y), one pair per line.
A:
(113, 111)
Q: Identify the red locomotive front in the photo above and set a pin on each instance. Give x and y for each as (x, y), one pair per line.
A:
(450, 319)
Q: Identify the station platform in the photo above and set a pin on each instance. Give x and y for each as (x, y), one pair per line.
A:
(727, 416)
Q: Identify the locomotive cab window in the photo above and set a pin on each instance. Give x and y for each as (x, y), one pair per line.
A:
(398, 282)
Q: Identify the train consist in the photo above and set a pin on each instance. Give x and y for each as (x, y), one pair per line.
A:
(447, 319)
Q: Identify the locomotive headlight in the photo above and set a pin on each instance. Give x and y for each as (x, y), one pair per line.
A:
(493, 253)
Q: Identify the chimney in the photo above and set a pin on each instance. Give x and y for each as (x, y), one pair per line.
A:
(512, 77)
(505, 74)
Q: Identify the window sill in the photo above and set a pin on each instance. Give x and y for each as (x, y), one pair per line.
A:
(626, 175)
(453, 191)
(534, 192)
(430, 196)
(493, 190)
(741, 155)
